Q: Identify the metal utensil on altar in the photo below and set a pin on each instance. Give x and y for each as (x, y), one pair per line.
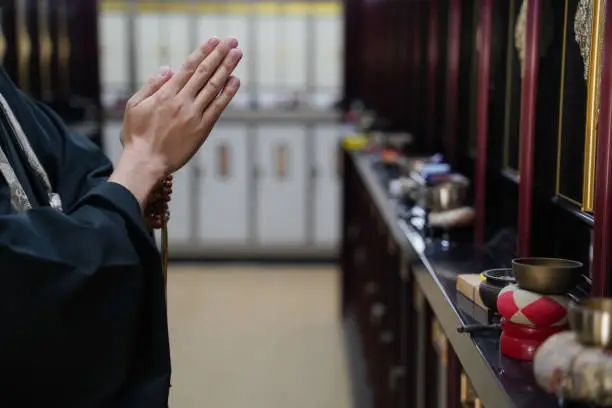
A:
(591, 320)
(446, 195)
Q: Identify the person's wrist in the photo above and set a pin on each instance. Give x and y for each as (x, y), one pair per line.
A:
(139, 172)
(145, 161)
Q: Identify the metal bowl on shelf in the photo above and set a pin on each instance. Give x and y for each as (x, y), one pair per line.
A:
(591, 320)
(547, 276)
(495, 281)
(446, 195)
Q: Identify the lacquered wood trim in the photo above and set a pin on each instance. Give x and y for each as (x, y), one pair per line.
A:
(452, 80)
(602, 227)
(527, 127)
(590, 145)
(432, 66)
(484, 70)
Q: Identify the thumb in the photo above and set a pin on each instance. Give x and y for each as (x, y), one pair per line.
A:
(153, 84)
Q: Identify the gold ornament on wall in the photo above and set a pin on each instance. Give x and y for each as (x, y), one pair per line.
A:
(583, 30)
(589, 23)
(546, 31)
(520, 34)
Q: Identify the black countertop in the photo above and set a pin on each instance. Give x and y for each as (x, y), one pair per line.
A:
(499, 381)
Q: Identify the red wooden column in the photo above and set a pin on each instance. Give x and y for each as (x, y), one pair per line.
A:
(452, 80)
(483, 37)
(432, 66)
(602, 228)
(418, 11)
(527, 127)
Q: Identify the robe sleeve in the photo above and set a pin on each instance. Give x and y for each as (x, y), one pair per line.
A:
(72, 284)
(82, 165)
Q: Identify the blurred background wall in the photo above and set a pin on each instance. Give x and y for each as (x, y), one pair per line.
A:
(293, 50)
(265, 185)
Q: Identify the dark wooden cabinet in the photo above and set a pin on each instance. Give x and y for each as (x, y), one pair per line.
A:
(526, 101)
(50, 50)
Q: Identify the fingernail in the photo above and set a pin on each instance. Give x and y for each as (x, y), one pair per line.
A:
(233, 82)
(213, 41)
(164, 72)
(233, 42)
(235, 55)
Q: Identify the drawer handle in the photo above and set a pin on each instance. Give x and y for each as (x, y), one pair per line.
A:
(281, 161)
(223, 161)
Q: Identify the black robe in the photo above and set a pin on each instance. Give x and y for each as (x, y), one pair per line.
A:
(82, 305)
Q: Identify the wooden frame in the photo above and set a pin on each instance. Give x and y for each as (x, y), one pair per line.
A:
(590, 148)
(602, 229)
(586, 199)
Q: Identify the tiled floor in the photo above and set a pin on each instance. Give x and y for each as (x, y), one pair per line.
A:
(264, 336)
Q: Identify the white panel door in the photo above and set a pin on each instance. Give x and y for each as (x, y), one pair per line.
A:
(176, 44)
(236, 25)
(327, 186)
(179, 226)
(114, 53)
(292, 59)
(281, 185)
(148, 46)
(223, 202)
(208, 26)
(328, 59)
(268, 59)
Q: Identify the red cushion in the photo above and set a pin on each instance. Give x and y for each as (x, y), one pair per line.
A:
(526, 308)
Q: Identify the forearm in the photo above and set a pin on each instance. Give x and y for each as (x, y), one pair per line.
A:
(138, 174)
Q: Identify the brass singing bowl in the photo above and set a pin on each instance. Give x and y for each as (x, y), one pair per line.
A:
(592, 322)
(548, 276)
(443, 196)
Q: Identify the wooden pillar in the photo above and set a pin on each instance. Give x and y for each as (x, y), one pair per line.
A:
(452, 80)
(602, 229)
(527, 127)
(432, 68)
(483, 38)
